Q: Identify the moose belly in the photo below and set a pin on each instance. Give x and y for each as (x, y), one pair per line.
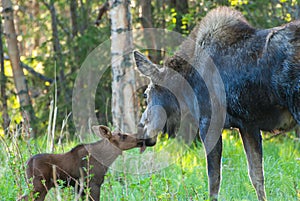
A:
(282, 122)
(256, 105)
(275, 120)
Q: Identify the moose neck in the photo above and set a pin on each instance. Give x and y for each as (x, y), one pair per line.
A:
(104, 151)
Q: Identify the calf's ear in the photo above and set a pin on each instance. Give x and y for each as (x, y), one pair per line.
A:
(144, 65)
(103, 131)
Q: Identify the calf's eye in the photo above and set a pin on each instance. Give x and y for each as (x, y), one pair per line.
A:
(123, 137)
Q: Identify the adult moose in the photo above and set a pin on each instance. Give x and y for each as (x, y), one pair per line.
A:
(260, 73)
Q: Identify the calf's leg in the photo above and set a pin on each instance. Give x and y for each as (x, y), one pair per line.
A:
(252, 142)
(41, 196)
(95, 191)
(39, 188)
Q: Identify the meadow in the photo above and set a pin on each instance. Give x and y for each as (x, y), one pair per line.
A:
(183, 179)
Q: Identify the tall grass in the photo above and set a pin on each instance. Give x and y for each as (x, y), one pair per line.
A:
(185, 179)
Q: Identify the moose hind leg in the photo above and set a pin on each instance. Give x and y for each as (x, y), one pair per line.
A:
(294, 102)
(252, 142)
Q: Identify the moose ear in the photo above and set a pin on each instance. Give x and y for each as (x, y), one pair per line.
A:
(144, 65)
(103, 131)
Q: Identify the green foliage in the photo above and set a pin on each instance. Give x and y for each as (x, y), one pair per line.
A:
(36, 45)
(265, 14)
(185, 179)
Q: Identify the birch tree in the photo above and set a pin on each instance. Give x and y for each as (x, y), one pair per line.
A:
(18, 74)
(5, 117)
(123, 84)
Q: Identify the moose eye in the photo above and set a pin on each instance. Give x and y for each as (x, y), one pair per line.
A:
(122, 137)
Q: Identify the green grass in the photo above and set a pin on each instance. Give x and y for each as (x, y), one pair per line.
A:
(184, 179)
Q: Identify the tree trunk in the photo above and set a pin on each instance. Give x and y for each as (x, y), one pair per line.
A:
(147, 22)
(74, 21)
(19, 77)
(123, 84)
(57, 50)
(146, 14)
(75, 29)
(35, 12)
(5, 117)
(84, 16)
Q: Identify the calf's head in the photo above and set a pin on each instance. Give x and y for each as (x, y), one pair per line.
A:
(123, 141)
(163, 112)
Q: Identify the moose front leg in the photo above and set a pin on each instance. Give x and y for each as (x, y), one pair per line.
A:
(253, 147)
(213, 161)
(214, 170)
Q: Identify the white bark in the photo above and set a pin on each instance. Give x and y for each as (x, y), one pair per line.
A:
(14, 55)
(123, 84)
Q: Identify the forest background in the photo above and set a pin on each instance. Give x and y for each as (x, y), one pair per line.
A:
(53, 40)
(55, 37)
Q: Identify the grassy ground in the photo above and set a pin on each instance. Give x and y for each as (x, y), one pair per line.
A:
(184, 179)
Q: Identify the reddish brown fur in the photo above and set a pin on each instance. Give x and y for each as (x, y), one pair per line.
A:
(43, 170)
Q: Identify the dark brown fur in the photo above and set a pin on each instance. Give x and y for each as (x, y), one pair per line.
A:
(43, 170)
(260, 72)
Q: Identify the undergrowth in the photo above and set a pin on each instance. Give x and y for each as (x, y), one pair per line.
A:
(184, 178)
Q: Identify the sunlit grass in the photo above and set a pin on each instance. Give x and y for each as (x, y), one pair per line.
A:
(184, 179)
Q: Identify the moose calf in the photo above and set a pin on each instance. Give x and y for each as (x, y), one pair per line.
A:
(83, 160)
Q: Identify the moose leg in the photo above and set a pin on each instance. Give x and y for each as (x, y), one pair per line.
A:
(213, 161)
(41, 196)
(253, 147)
(214, 170)
(95, 191)
(40, 188)
(294, 102)
(40, 193)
